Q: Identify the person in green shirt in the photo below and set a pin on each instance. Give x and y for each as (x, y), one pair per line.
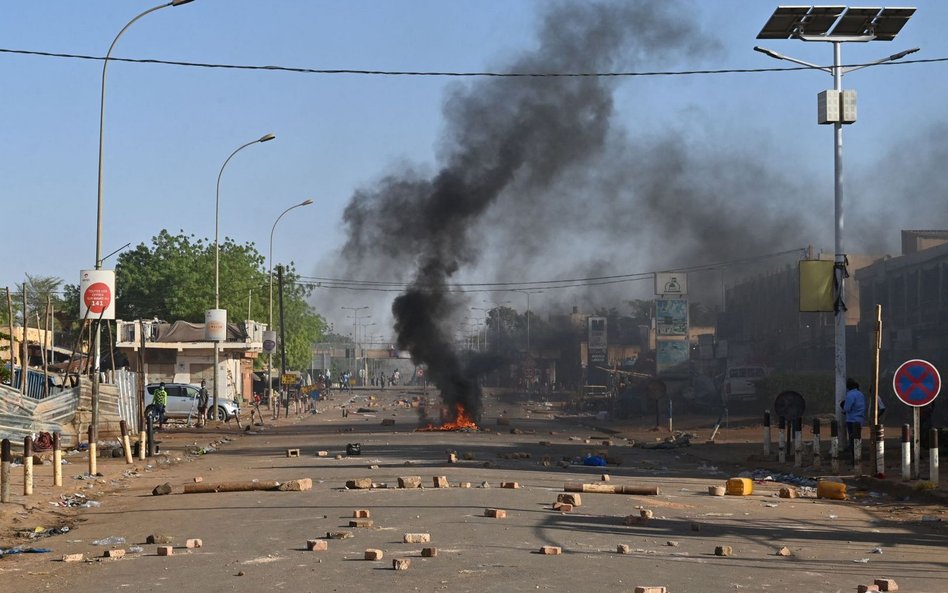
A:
(159, 400)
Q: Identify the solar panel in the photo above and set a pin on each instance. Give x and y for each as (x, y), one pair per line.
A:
(783, 22)
(820, 19)
(890, 22)
(856, 22)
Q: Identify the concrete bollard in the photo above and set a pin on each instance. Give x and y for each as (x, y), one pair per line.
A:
(150, 437)
(93, 452)
(142, 442)
(857, 455)
(817, 454)
(933, 456)
(906, 452)
(57, 460)
(834, 446)
(5, 461)
(782, 439)
(27, 466)
(879, 435)
(798, 442)
(766, 433)
(126, 442)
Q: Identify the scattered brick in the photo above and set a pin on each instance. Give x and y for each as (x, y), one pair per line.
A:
(646, 513)
(417, 538)
(373, 554)
(115, 554)
(623, 549)
(193, 543)
(887, 584)
(495, 513)
(574, 499)
(716, 490)
(788, 493)
(866, 588)
(322, 453)
(361, 514)
(784, 551)
(509, 485)
(165, 551)
(452, 458)
(440, 482)
(464, 485)
(429, 552)
(409, 482)
(292, 452)
(339, 534)
(672, 543)
(359, 484)
(198, 479)
(373, 466)
(73, 557)
(159, 538)
(401, 563)
(485, 484)
(297, 485)
(551, 550)
(317, 545)
(161, 489)
(361, 523)
(339, 456)
(563, 507)
(606, 477)
(722, 551)
(641, 589)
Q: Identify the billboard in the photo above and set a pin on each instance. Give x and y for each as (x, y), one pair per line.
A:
(215, 325)
(671, 317)
(597, 353)
(672, 357)
(97, 294)
(671, 283)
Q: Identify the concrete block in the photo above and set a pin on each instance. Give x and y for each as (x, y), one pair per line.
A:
(723, 551)
(193, 543)
(716, 490)
(361, 514)
(440, 482)
(641, 589)
(886, 584)
(317, 545)
(551, 550)
(605, 477)
(373, 554)
(784, 551)
(338, 456)
(292, 452)
(788, 493)
(115, 554)
(165, 551)
(563, 507)
(646, 513)
(495, 513)
(359, 484)
(417, 538)
(401, 563)
(429, 552)
(623, 549)
(322, 453)
(73, 557)
(339, 534)
(361, 523)
(452, 458)
(297, 485)
(464, 484)
(574, 499)
(159, 538)
(198, 479)
(509, 485)
(409, 482)
(866, 588)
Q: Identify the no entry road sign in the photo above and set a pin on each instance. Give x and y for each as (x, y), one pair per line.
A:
(917, 382)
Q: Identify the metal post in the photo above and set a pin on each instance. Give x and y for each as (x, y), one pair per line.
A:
(817, 454)
(916, 442)
(857, 455)
(878, 435)
(798, 442)
(933, 456)
(27, 466)
(767, 433)
(834, 446)
(150, 437)
(782, 440)
(6, 459)
(840, 268)
(670, 415)
(906, 452)
(93, 452)
(282, 341)
(57, 460)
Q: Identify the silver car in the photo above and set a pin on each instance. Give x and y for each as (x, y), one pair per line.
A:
(183, 402)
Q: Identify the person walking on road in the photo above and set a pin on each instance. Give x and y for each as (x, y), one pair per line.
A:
(854, 406)
(159, 400)
(203, 400)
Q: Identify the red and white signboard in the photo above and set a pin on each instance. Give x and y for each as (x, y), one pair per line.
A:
(97, 294)
(917, 382)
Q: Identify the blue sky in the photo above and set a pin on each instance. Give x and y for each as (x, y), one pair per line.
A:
(169, 129)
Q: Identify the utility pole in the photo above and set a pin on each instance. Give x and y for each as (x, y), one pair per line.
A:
(282, 342)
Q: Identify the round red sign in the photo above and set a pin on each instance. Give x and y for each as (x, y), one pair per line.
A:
(917, 382)
(97, 297)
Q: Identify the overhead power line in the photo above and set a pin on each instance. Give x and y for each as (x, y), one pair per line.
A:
(460, 74)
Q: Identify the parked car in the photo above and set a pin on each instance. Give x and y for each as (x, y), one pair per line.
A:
(740, 382)
(182, 402)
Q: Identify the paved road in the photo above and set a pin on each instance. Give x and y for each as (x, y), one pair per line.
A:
(255, 541)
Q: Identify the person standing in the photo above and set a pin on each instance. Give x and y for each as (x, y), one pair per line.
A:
(159, 400)
(203, 400)
(854, 406)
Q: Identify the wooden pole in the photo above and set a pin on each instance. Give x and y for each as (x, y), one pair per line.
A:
(202, 488)
(25, 356)
(611, 489)
(6, 459)
(57, 460)
(27, 466)
(12, 348)
(43, 355)
(93, 446)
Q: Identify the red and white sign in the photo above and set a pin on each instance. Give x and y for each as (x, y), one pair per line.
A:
(97, 294)
(917, 382)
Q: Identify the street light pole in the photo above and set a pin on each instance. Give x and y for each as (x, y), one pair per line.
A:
(217, 263)
(269, 390)
(98, 213)
(528, 293)
(355, 330)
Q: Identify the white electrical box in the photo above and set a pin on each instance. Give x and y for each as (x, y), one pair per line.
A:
(827, 107)
(848, 107)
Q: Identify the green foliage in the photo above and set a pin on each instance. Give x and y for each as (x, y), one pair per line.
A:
(818, 389)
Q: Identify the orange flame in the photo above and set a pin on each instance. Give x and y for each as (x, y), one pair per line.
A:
(461, 421)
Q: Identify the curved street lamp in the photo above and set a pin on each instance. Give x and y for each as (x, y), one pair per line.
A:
(217, 258)
(270, 321)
